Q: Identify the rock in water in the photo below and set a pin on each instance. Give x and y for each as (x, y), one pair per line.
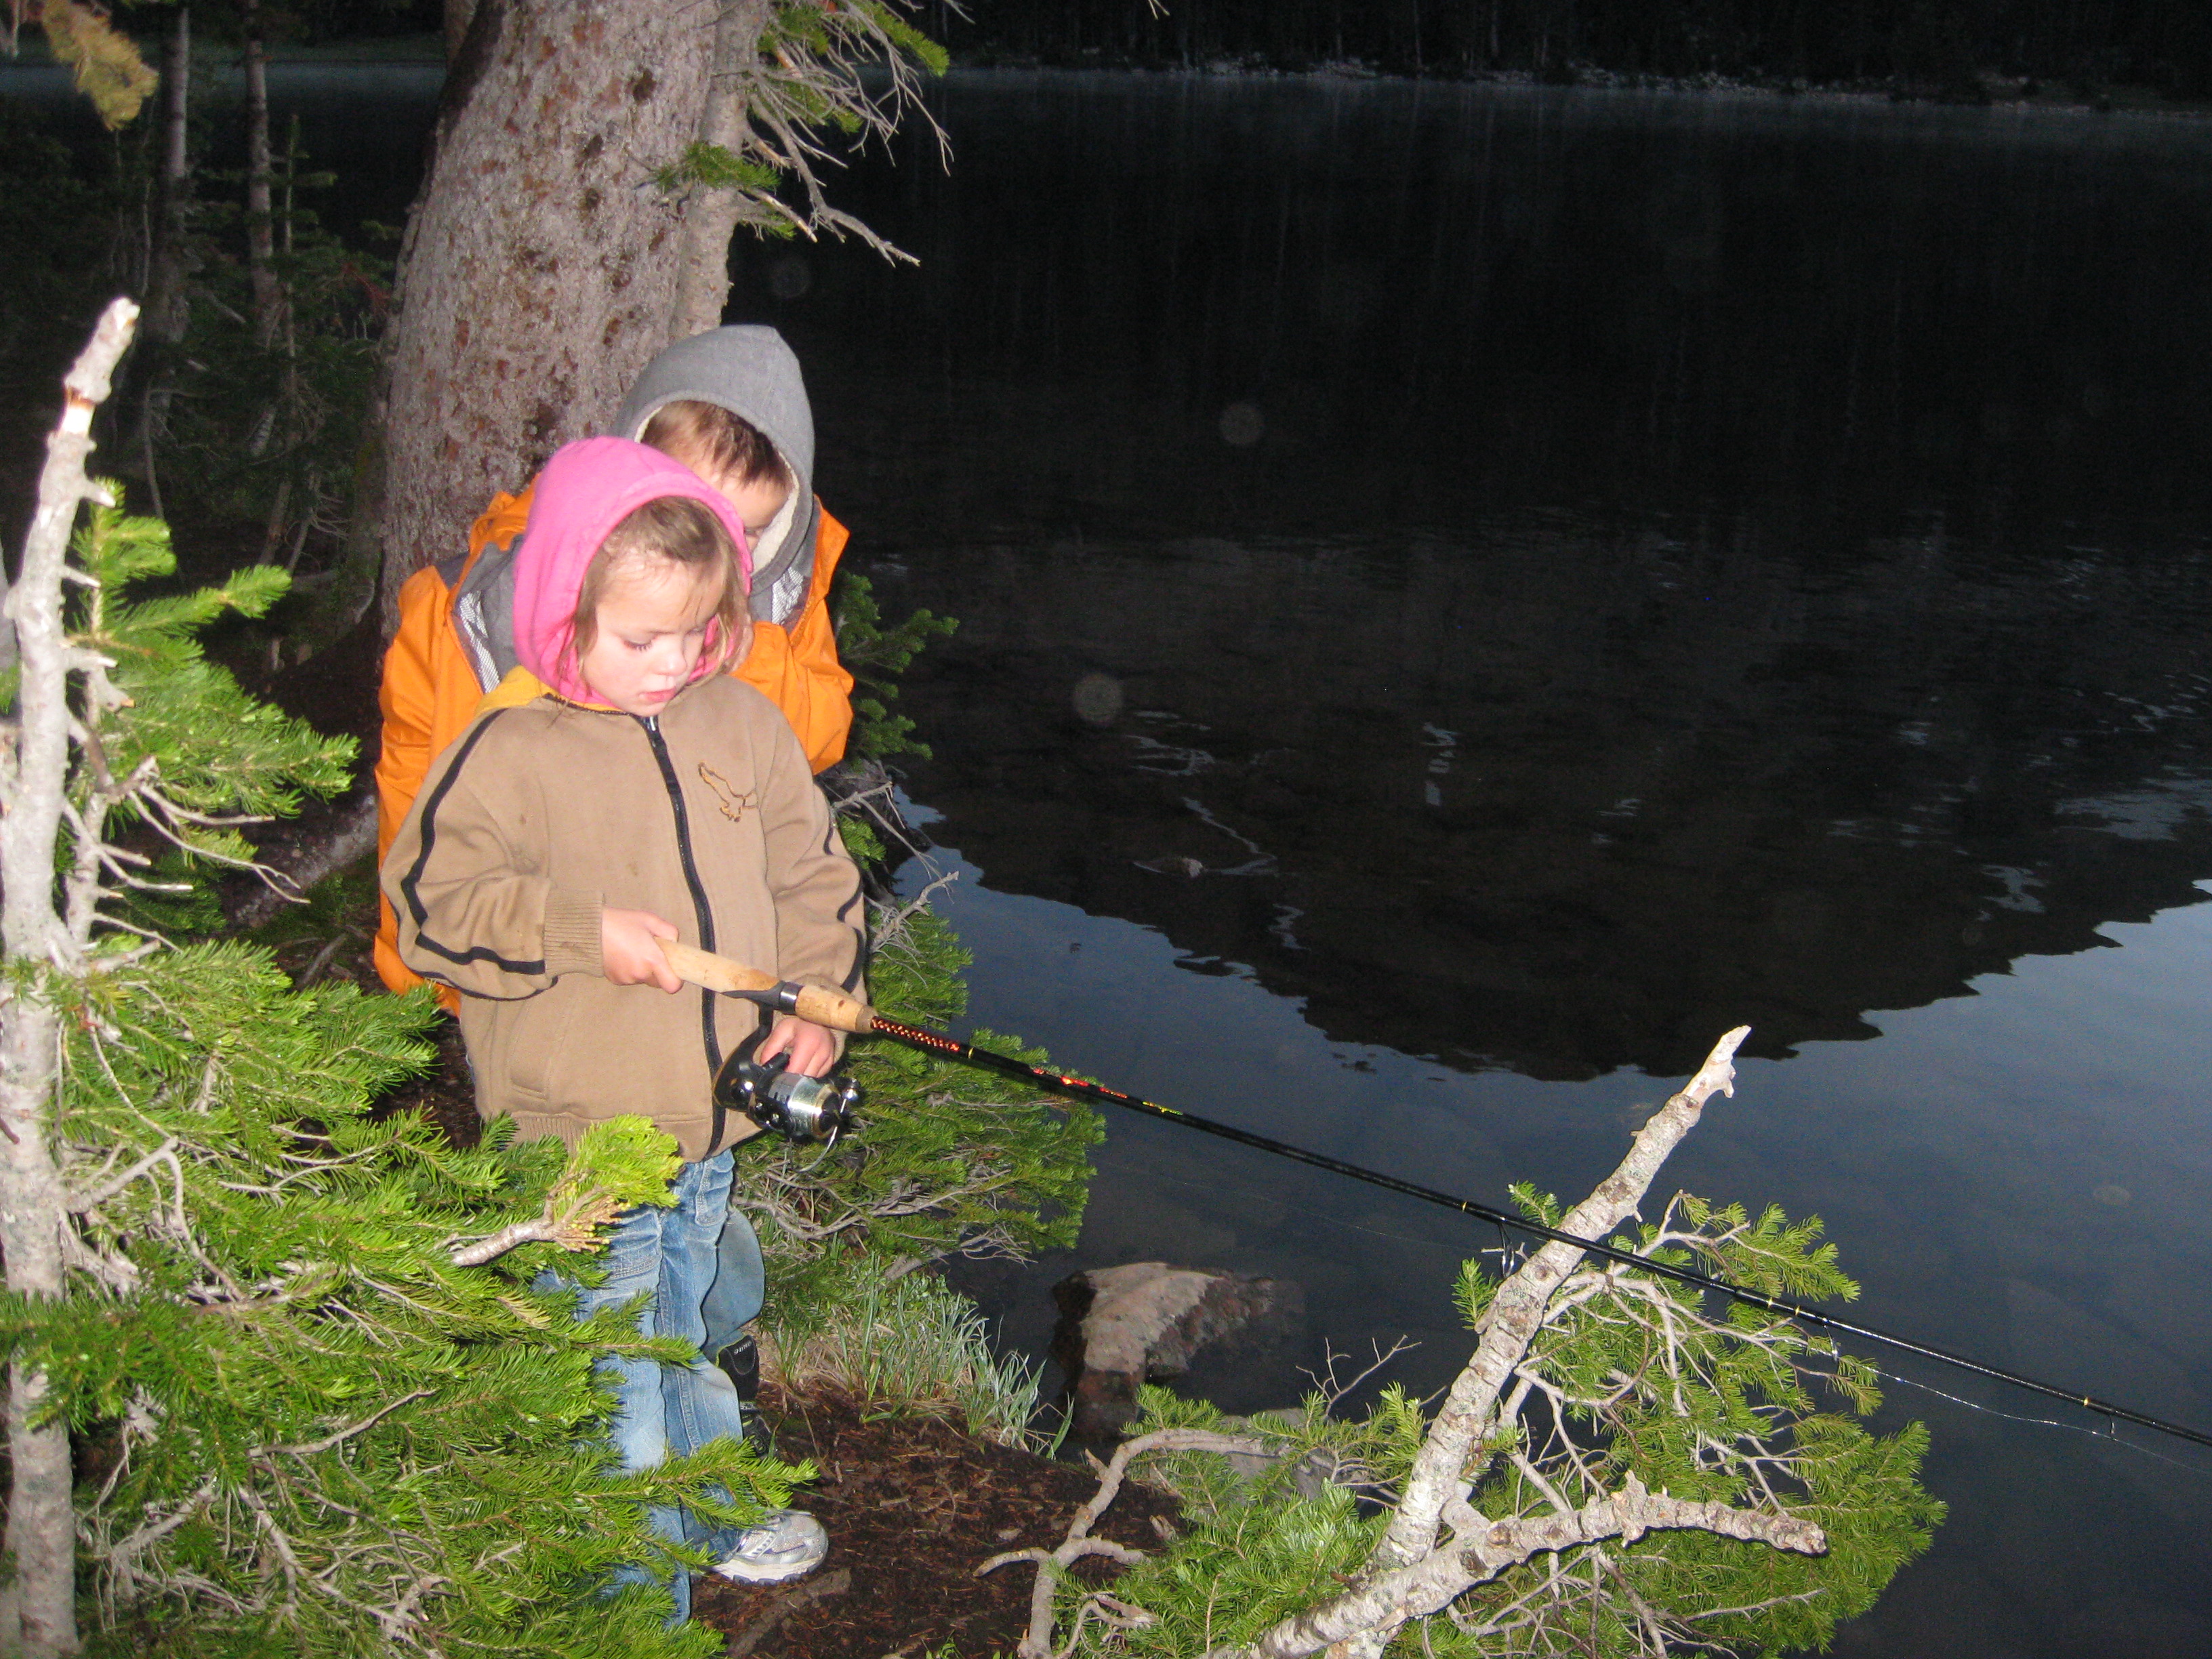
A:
(1123, 1326)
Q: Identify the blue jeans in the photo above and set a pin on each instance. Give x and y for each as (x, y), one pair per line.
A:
(670, 1255)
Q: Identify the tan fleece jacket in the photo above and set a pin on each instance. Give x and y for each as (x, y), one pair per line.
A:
(541, 816)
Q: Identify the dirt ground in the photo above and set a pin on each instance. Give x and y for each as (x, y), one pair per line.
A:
(913, 1506)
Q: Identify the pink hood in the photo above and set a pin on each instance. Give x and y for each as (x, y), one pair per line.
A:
(585, 491)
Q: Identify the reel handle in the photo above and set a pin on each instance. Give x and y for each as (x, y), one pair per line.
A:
(810, 1002)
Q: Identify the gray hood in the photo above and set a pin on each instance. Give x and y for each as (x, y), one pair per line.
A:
(750, 372)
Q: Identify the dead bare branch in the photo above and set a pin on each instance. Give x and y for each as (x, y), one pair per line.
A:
(1036, 1640)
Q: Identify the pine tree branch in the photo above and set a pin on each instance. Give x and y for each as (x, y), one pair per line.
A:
(1389, 1598)
(346, 1433)
(772, 90)
(1516, 1312)
(1409, 1575)
(572, 1216)
(122, 1556)
(889, 924)
(118, 1272)
(163, 1156)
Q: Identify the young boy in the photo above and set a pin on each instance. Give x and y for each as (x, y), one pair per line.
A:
(619, 791)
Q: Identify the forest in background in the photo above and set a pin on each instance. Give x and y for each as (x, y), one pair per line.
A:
(1945, 46)
(1948, 48)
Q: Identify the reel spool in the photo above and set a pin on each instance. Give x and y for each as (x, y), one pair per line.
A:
(799, 1108)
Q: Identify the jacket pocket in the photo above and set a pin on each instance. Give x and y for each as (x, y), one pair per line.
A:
(537, 1034)
(627, 1049)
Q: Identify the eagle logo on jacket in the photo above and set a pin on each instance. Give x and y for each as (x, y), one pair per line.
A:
(734, 803)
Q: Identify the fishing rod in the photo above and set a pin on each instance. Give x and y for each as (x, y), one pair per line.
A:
(841, 1012)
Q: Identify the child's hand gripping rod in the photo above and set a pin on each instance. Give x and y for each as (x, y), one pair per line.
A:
(842, 1013)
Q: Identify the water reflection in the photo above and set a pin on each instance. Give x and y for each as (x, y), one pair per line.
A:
(2015, 1173)
(1572, 571)
(1568, 800)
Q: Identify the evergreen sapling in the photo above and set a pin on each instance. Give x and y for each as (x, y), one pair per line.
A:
(316, 1404)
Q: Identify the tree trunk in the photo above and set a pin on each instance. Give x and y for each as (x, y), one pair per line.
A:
(38, 1607)
(457, 14)
(702, 283)
(166, 312)
(260, 248)
(539, 272)
(169, 265)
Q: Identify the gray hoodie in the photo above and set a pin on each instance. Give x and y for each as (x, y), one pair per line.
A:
(747, 370)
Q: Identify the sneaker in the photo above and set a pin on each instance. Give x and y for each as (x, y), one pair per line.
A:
(787, 1544)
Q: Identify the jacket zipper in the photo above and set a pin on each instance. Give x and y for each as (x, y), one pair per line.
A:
(699, 909)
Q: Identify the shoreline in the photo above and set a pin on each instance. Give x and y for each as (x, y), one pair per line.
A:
(1984, 89)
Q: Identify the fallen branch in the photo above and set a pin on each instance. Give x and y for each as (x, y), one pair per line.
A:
(345, 838)
(1516, 1313)
(1036, 1640)
(1429, 1584)
(1410, 1574)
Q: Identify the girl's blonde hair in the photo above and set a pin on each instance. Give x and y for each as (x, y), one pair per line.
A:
(669, 530)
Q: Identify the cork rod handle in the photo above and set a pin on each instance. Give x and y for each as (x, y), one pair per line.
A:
(817, 1003)
(704, 968)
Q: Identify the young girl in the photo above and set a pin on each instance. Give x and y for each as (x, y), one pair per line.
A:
(618, 790)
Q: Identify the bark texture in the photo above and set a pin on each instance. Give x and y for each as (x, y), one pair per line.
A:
(711, 220)
(166, 312)
(542, 262)
(1356, 1622)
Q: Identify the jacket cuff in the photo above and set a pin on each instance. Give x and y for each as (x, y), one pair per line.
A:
(572, 932)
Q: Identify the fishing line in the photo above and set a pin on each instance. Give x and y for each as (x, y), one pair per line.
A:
(2109, 1436)
(1510, 1256)
(841, 1013)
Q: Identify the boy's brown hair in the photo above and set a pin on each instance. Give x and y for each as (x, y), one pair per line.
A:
(667, 530)
(707, 438)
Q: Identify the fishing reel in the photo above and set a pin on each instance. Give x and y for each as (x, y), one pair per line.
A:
(799, 1108)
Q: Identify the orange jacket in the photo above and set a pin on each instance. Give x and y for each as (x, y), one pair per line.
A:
(430, 692)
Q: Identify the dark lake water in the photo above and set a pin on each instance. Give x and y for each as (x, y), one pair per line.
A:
(1576, 572)
(1573, 572)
